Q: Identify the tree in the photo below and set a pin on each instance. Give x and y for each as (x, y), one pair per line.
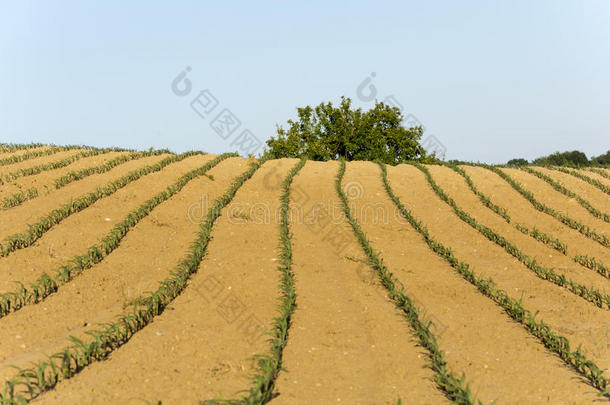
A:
(517, 162)
(603, 160)
(573, 158)
(326, 132)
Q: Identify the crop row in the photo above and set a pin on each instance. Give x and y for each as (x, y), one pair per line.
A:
(35, 232)
(30, 171)
(586, 261)
(270, 365)
(503, 212)
(563, 190)
(590, 294)
(544, 238)
(13, 147)
(593, 264)
(452, 386)
(579, 175)
(48, 284)
(103, 168)
(30, 382)
(34, 154)
(564, 219)
(20, 197)
(600, 172)
(549, 338)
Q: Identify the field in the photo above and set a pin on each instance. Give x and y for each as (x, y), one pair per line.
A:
(138, 277)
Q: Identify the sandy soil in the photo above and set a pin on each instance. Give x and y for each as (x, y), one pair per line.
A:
(477, 335)
(236, 301)
(521, 211)
(44, 181)
(576, 319)
(546, 194)
(15, 220)
(20, 152)
(588, 192)
(146, 256)
(454, 185)
(348, 343)
(79, 231)
(596, 176)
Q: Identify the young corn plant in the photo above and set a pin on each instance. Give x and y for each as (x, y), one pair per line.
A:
(19, 198)
(446, 381)
(35, 232)
(590, 294)
(563, 190)
(553, 341)
(47, 285)
(113, 335)
(593, 264)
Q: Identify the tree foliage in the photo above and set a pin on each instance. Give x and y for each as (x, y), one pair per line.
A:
(573, 158)
(603, 160)
(326, 132)
(517, 162)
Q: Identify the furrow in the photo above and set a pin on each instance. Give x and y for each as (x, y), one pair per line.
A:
(563, 218)
(583, 324)
(584, 177)
(56, 164)
(569, 193)
(91, 344)
(235, 294)
(39, 286)
(38, 229)
(33, 154)
(502, 361)
(452, 386)
(576, 252)
(590, 294)
(523, 310)
(103, 168)
(348, 343)
(42, 184)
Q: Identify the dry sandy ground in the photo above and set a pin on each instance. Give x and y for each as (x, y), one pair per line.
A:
(347, 343)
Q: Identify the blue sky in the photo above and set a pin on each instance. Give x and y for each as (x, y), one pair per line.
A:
(491, 80)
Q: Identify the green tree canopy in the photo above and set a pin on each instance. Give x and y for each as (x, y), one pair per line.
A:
(603, 160)
(326, 132)
(517, 162)
(573, 158)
